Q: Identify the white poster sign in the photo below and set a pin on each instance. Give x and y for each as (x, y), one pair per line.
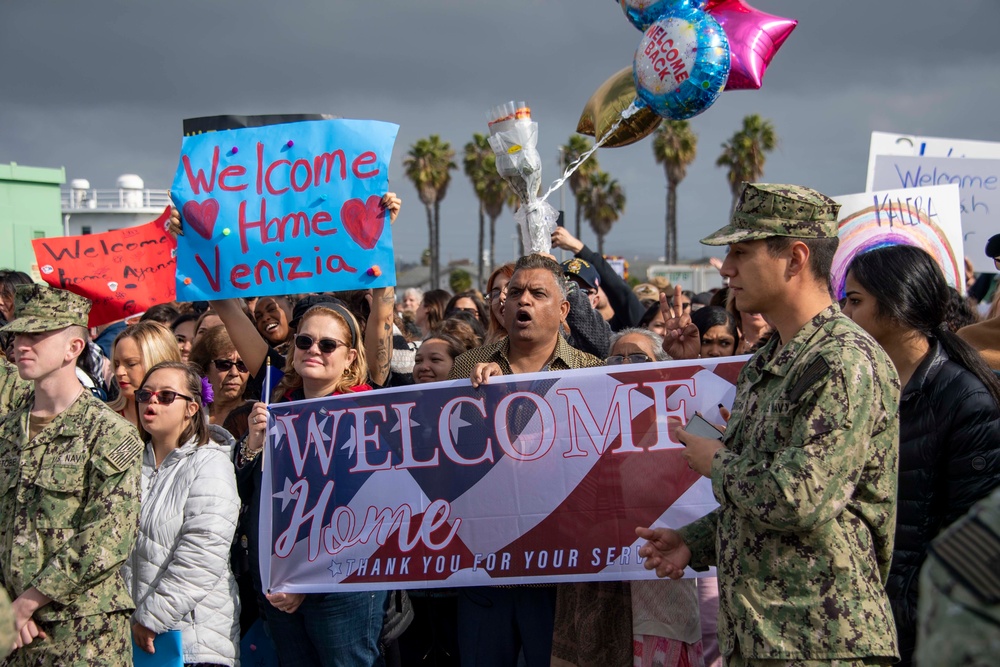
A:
(929, 218)
(909, 145)
(978, 181)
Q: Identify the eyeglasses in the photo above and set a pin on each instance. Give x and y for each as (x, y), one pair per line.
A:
(496, 293)
(223, 365)
(618, 359)
(164, 397)
(326, 345)
(471, 311)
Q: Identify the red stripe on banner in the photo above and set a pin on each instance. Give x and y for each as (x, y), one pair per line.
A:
(590, 519)
(442, 564)
(729, 371)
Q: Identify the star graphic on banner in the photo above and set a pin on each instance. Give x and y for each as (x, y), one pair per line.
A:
(351, 441)
(286, 494)
(456, 422)
(276, 434)
(325, 417)
(335, 569)
(399, 423)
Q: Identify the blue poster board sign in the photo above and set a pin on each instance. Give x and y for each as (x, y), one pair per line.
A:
(284, 209)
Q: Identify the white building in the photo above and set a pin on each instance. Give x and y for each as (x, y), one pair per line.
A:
(90, 211)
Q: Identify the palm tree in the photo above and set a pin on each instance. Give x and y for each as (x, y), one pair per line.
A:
(481, 167)
(603, 202)
(580, 180)
(744, 153)
(428, 165)
(675, 147)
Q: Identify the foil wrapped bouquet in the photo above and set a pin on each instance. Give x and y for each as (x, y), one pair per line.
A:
(514, 139)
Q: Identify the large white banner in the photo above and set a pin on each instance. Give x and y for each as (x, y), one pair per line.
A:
(529, 479)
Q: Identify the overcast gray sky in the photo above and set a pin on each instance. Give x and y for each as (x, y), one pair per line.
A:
(101, 87)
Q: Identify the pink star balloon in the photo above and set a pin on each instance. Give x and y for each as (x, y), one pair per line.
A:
(754, 38)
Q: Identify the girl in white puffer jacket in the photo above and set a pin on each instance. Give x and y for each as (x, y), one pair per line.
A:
(179, 573)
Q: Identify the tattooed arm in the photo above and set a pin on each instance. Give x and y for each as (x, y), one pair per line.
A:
(378, 334)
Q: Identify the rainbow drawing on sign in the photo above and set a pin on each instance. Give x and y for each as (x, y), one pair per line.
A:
(870, 228)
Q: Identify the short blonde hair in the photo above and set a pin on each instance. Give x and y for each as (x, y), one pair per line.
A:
(156, 344)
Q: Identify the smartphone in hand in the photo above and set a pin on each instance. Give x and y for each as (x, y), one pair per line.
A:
(703, 428)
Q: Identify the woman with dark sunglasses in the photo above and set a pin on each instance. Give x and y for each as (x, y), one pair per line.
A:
(216, 356)
(178, 573)
(327, 358)
(468, 302)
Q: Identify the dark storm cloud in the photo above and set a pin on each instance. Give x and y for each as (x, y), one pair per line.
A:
(101, 87)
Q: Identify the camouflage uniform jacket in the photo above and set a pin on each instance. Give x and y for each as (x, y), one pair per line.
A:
(807, 493)
(69, 508)
(13, 390)
(960, 592)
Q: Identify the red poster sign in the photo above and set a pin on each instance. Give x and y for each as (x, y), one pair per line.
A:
(124, 272)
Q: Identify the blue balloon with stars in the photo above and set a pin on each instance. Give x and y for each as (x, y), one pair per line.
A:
(642, 13)
(682, 63)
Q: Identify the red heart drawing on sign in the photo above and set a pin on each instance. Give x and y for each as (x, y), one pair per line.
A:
(201, 217)
(364, 221)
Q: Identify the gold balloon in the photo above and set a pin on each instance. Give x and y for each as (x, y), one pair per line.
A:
(604, 109)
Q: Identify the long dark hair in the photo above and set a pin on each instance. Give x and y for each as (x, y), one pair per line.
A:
(435, 302)
(480, 305)
(713, 316)
(910, 290)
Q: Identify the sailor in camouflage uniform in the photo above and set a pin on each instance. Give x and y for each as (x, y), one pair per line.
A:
(69, 496)
(960, 592)
(805, 474)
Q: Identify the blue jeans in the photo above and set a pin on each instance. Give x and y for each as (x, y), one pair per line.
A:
(329, 630)
(496, 624)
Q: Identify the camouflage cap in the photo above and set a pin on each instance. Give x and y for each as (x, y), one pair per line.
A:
(39, 308)
(767, 209)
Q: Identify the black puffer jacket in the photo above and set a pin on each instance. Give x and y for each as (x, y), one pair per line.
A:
(949, 458)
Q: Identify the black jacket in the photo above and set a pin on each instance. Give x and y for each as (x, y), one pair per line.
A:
(628, 309)
(949, 458)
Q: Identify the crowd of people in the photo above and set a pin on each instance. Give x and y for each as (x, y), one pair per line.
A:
(857, 479)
